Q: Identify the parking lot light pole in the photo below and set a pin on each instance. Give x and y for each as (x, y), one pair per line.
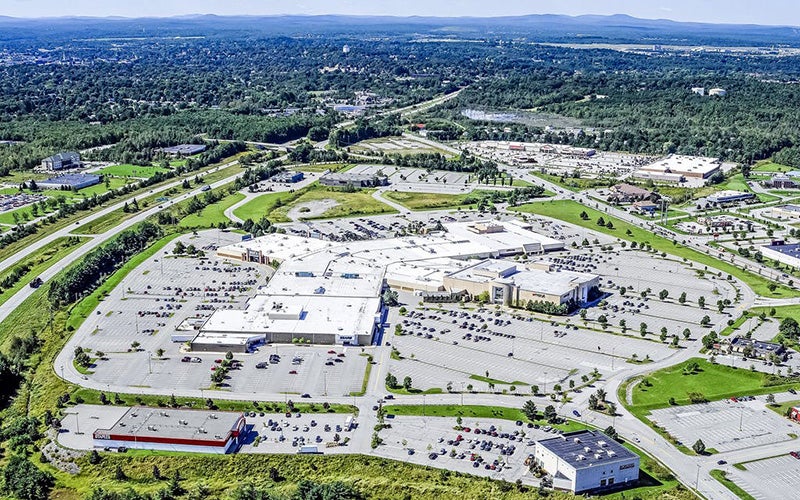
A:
(149, 366)
(697, 480)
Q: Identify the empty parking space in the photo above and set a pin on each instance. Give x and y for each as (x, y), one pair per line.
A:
(770, 478)
(724, 425)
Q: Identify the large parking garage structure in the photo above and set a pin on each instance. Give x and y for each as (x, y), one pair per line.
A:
(330, 293)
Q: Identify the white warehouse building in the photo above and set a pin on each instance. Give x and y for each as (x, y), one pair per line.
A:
(587, 461)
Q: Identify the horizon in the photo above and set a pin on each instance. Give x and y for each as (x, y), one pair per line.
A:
(777, 12)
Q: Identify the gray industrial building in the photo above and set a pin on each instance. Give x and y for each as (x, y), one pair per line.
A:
(587, 461)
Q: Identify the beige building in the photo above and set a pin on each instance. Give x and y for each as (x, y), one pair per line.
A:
(511, 286)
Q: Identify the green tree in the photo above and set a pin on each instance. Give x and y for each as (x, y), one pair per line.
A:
(550, 414)
(407, 383)
(699, 447)
(26, 481)
(529, 410)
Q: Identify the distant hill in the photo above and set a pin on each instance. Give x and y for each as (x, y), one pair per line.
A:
(545, 28)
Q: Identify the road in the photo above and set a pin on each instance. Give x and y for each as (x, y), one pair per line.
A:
(691, 471)
(96, 240)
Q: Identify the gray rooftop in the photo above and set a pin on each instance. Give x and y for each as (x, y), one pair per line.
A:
(584, 449)
(172, 423)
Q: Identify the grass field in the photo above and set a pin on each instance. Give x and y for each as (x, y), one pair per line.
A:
(574, 184)
(714, 381)
(212, 214)
(143, 172)
(430, 201)
(349, 204)
(40, 261)
(569, 211)
(475, 411)
(375, 478)
(770, 166)
(321, 167)
(263, 205)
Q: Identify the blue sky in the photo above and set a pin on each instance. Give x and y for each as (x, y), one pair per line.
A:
(784, 12)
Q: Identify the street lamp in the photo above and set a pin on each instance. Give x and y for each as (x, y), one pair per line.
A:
(697, 480)
(149, 366)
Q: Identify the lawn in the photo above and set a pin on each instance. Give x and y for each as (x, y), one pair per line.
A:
(263, 205)
(735, 183)
(432, 201)
(91, 396)
(212, 214)
(722, 477)
(353, 204)
(573, 184)
(714, 381)
(142, 172)
(770, 166)
(782, 408)
(40, 261)
(321, 167)
(467, 412)
(569, 211)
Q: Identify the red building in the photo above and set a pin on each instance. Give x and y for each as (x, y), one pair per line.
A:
(174, 430)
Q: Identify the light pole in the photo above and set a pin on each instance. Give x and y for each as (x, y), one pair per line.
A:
(325, 381)
(697, 480)
(149, 366)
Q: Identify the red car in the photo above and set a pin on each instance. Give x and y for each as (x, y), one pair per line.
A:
(293, 372)
(794, 454)
(331, 352)
(217, 361)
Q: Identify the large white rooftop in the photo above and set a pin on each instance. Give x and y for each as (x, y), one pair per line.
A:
(330, 287)
(295, 314)
(684, 165)
(552, 282)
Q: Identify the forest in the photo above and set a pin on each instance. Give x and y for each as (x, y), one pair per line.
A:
(142, 94)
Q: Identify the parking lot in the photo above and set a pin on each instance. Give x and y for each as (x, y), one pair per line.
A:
(725, 425)
(767, 479)
(457, 345)
(268, 432)
(169, 294)
(560, 160)
(398, 176)
(381, 226)
(433, 441)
